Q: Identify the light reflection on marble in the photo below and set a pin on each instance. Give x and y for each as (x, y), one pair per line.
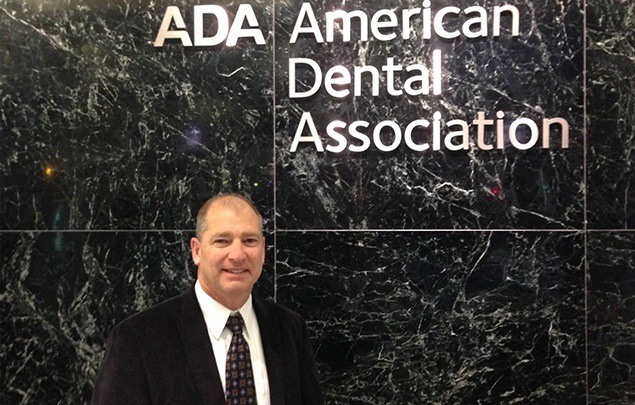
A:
(101, 130)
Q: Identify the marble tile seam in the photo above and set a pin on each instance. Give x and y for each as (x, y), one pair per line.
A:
(570, 230)
(274, 100)
(585, 222)
(94, 230)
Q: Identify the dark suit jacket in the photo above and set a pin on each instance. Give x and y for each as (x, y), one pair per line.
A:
(164, 356)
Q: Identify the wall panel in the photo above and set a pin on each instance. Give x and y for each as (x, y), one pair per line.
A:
(433, 276)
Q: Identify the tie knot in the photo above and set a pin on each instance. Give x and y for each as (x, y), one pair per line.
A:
(235, 323)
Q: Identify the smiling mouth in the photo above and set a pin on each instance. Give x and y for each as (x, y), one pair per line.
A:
(235, 271)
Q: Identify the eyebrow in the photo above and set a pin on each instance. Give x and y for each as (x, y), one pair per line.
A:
(227, 234)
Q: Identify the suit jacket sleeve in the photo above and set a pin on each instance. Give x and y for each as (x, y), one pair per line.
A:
(122, 375)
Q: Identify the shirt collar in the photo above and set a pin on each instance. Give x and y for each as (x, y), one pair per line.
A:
(216, 315)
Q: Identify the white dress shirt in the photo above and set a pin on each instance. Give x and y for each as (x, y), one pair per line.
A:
(216, 316)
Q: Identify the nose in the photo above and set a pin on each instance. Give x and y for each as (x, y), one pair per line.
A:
(236, 251)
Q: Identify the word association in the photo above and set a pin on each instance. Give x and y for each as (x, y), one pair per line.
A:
(453, 135)
(384, 24)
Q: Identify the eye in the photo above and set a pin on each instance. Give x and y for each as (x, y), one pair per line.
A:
(251, 241)
(221, 242)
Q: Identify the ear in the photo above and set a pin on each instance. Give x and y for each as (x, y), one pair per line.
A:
(195, 246)
(264, 248)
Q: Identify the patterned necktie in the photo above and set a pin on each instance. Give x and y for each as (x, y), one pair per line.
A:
(239, 377)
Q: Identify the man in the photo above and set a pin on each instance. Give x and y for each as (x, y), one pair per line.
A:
(216, 343)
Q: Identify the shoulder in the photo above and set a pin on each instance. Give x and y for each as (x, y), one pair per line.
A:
(270, 311)
(158, 312)
(158, 319)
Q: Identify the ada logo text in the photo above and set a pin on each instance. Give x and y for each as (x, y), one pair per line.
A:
(225, 31)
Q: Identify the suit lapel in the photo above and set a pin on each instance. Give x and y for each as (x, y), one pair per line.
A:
(269, 334)
(198, 349)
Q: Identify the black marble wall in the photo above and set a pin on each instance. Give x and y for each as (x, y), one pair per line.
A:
(473, 276)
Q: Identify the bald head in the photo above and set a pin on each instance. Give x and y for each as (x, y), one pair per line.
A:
(232, 201)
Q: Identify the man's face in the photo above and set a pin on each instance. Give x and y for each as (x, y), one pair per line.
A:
(230, 253)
